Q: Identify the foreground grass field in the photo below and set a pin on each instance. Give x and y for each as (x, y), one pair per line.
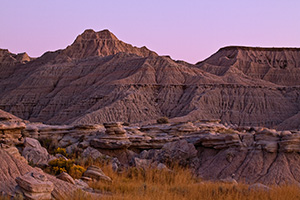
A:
(181, 184)
(178, 184)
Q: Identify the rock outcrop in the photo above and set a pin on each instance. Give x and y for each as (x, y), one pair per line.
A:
(102, 79)
(35, 153)
(35, 186)
(95, 173)
(103, 43)
(11, 128)
(66, 177)
(212, 150)
(277, 65)
(115, 137)
(13, 165)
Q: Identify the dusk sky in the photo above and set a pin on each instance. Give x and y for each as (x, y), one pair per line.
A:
(186, 30)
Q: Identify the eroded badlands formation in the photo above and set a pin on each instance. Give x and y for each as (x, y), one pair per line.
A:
(214, 152)
(100, 98)
(102, 79)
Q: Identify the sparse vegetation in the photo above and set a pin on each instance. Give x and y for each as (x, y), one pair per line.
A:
(61, 151)
(162, 120)
(181, 184)
(60, 165)
(49, 143)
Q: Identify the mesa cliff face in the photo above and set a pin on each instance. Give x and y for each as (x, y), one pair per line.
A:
(101, 79)
(277, 65)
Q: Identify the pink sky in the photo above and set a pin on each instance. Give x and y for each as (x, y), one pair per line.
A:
(186, 30)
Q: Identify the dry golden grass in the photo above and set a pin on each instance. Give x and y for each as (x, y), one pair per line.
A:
(181, 184)
(178, 184)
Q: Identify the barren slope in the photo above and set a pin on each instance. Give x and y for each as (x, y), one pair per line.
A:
(99, 78)
(277, 65)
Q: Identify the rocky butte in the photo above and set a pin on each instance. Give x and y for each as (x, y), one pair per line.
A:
(102, 79)
(233, 117)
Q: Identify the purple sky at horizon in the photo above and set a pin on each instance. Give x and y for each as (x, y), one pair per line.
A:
(186, 30)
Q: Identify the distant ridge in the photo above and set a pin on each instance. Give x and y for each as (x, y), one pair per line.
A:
(99, 78)
(260, 48)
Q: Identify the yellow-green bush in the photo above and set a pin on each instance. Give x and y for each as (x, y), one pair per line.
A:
(61, 165)
(76, 171)
(61, 151)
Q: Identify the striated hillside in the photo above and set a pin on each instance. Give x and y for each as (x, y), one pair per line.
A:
(100, 79)
(276, 65)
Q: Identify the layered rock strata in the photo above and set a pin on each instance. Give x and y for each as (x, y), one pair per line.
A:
(115, 137)
(95, 173)
(101, 79)
(35, 186)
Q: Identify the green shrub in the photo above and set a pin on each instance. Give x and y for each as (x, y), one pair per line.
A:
(162, 120)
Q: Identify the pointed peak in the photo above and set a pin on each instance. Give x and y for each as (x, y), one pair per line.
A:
(90, 34)
(107, 34)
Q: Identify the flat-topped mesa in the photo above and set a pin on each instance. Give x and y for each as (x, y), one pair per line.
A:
(276, 65)
(102, 43)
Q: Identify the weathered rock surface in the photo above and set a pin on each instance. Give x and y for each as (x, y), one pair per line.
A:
(213, 150)
(35, 153)
(95, 173)
(12, 167)
(115, 137)
(102, 79)
(259, 186)
(35, 185)
(66, 177)
(103, 43)
(9, 59)
(276, 65)
(91, 152)
(180, 152)
(11, 128)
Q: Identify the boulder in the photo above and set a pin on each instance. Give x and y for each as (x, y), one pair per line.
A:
(92, 153)
(96, 173)
(13, 166)
(70, 149)
(35, 185)
(229, 180)
(180, 152)
(142, 163)
(259, 186)
(35, 153)
(66, 177)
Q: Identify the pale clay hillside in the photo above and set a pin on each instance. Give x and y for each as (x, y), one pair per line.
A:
(105, 119)
(101, 79)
